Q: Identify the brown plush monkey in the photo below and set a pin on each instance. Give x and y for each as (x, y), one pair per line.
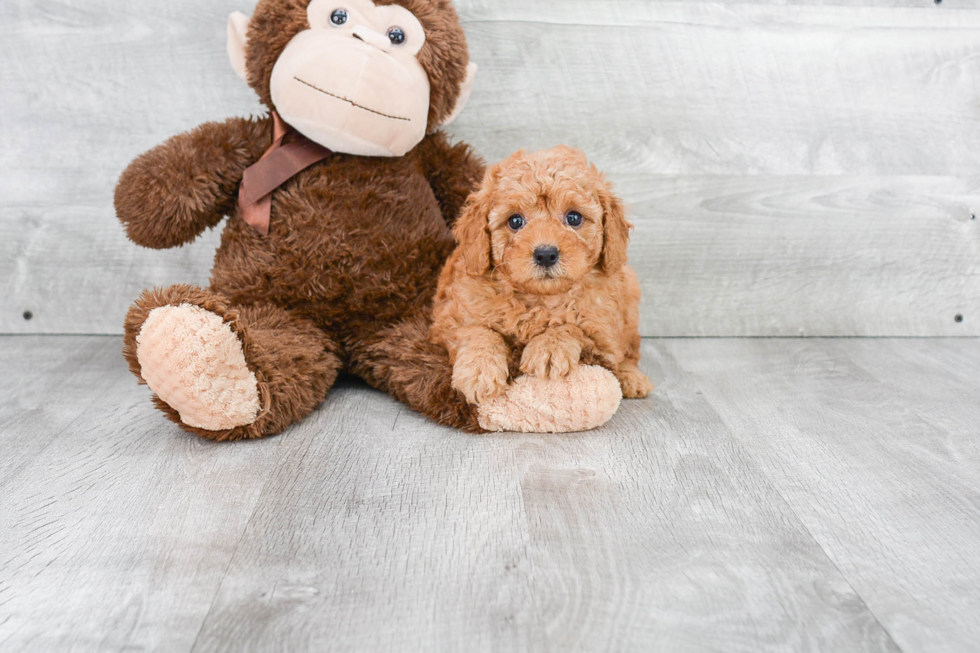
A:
(338, 233)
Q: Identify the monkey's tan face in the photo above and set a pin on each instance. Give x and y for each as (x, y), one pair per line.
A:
(352, 81)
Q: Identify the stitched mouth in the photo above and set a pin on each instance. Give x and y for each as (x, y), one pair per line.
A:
(349, 101)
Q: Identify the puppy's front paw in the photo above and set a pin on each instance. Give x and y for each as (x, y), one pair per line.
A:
(635, 383)
(480, 378)
(551, 358)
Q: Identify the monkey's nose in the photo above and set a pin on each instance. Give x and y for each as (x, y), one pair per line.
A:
(371, 37)
(546, 256)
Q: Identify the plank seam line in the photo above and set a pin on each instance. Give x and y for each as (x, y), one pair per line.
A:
(833, 562)
(705, 398)
(707, 24)
(241, 538)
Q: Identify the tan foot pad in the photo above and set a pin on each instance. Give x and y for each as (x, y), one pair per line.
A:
(585, 399)
(193, 361)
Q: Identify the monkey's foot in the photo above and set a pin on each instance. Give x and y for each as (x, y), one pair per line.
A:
(194, 362)
(585, 399)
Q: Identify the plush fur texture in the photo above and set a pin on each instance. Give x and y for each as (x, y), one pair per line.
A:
(295, 363)
(355, 248)
(497, 307)
(344, 280)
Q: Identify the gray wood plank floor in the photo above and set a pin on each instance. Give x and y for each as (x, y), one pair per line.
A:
(772, 495)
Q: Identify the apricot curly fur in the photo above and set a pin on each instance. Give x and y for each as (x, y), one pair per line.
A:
(496, 309)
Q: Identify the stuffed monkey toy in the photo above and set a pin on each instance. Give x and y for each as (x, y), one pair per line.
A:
(341, 203)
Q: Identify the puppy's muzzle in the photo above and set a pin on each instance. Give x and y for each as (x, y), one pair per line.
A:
(546, 256)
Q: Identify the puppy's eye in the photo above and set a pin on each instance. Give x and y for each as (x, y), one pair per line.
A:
(397, 36)
(516, 222)
(339, 17)
(574, 219)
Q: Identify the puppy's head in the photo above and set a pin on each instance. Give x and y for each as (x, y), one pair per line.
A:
(543, 221)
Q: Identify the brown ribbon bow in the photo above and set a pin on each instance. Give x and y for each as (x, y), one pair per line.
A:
(280, 163)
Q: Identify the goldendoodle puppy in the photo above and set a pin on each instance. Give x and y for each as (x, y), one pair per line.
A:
(539, 281)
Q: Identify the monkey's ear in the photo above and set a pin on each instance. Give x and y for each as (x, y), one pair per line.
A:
(237, 39)
(464, 94)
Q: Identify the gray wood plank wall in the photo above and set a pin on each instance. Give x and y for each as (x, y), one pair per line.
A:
(794, 168)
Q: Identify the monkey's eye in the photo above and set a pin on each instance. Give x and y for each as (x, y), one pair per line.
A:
(339, 17)
(574, 219)
(397, 36)
(516, 222)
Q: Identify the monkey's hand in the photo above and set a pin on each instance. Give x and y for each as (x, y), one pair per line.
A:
(453, 171)
(171, 194)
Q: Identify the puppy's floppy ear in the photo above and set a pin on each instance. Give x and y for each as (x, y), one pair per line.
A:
(616, 232)
(472, 228)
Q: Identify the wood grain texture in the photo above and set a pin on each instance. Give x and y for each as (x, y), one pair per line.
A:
(806, 255)
(384, 533)
(368, 528)
(681, 88)
(874, 446)
(32, 375)
(773, 495)
(833, 116)
(116, 527)
(927, 5)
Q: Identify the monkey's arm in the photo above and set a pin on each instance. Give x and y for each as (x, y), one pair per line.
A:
(453, 171)
(171, 194)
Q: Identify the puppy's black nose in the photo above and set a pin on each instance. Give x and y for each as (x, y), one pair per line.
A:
(546, 256)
